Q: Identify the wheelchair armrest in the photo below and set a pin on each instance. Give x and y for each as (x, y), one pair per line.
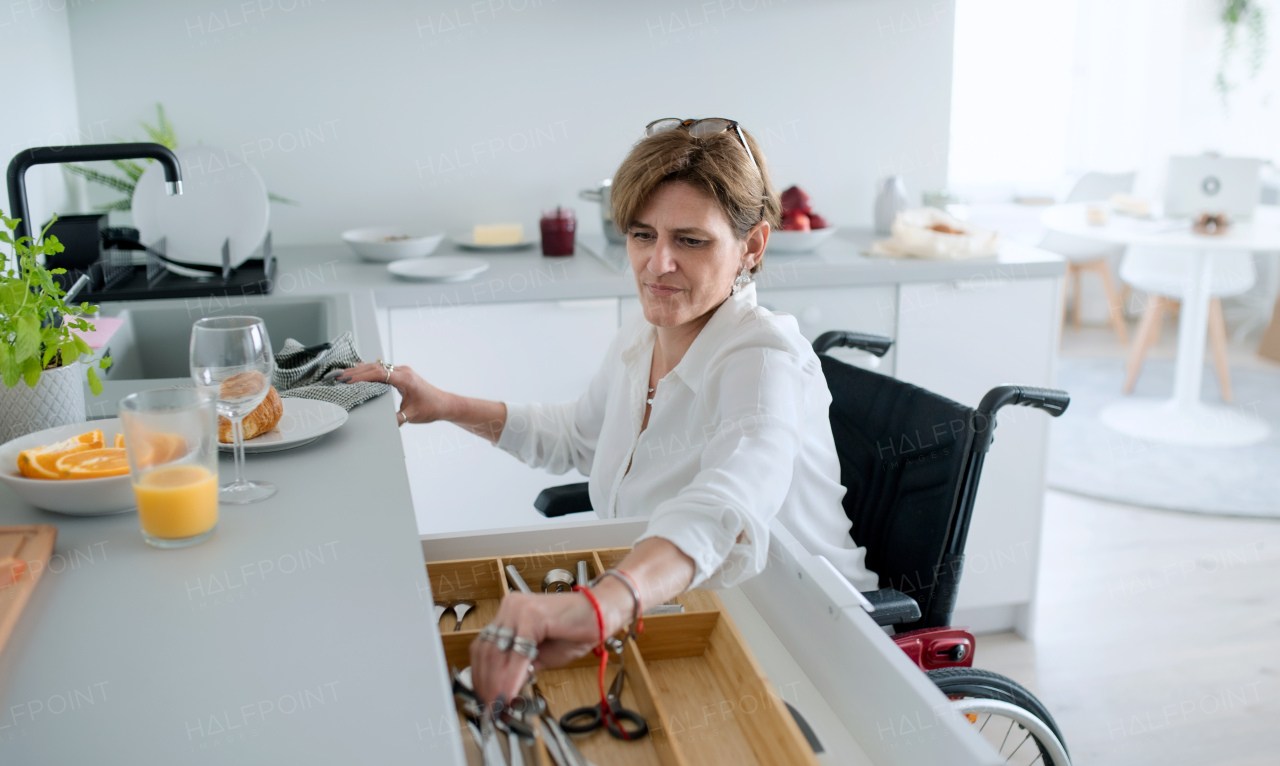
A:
(893, 607)
(564, 499)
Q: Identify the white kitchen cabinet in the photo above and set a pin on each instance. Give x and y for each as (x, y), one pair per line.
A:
(961, 339)
(543, 351)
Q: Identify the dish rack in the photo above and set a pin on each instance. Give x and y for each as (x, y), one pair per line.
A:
(691, 675)
(147, 273)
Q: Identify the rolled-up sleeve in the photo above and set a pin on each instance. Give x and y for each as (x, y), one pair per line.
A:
(721, 518)
(563, 435)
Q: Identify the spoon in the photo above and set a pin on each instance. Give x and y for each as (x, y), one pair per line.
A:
(460, 608)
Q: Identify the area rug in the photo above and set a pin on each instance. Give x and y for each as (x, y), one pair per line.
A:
(1088, 458)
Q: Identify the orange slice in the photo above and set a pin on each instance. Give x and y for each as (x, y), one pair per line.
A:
(93, 464)
(41, 462)
(160, 448)
(119, 441)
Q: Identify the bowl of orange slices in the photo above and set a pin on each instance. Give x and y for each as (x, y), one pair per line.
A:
(79, 469)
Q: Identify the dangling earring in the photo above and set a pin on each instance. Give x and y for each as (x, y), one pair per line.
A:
(743, 279)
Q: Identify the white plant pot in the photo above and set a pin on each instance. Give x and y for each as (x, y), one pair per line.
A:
(57, 399)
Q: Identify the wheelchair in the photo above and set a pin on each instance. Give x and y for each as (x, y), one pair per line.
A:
(910, 461)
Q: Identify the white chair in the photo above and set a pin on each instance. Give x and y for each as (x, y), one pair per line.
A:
(1161, 274)
(1086, 255)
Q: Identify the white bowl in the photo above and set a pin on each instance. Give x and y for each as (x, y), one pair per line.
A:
(75, 497)
(367, 243)
(798, 241)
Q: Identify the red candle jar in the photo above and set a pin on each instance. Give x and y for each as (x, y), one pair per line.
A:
(557, 231)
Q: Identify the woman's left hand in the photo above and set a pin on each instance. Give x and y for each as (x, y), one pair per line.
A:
(562, 625)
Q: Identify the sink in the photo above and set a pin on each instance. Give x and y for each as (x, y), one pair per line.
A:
(151, 349)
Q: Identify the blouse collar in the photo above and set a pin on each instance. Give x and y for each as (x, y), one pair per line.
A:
(693, 365)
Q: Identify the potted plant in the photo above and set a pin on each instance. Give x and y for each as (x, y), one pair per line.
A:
(40, 380)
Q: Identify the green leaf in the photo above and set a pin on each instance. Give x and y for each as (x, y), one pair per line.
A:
(27, 344)
(9, 369)
(31, 371)
(69, 351)
(95, 385)
(82, 347)
(111, 182)
(120, 204)
(130, 168)
(106, 362)
(282, 200)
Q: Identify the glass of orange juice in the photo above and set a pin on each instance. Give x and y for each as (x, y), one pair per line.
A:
(171, 439)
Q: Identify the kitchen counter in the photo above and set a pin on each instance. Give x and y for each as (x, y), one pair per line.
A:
(596, 271)
(300, 633)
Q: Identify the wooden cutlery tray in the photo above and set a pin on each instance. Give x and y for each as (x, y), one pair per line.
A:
(691, 675)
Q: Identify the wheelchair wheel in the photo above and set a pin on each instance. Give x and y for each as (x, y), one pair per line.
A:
(1007, 716)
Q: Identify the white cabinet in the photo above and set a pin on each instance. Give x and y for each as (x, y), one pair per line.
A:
(544, 351)
(961, 339)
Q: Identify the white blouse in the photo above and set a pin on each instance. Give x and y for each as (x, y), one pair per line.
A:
(739, 433)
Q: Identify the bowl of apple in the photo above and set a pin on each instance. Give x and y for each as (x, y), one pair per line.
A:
(803, 229)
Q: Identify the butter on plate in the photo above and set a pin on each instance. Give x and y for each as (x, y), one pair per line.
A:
(498, 234)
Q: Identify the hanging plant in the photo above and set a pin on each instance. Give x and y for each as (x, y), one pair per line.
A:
(161, 133)
(1240, 18)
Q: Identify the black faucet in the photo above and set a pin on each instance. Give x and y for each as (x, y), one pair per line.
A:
(51, 155)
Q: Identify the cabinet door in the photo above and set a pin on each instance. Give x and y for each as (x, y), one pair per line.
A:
(543, 351)
(961, 339)
(862, 309)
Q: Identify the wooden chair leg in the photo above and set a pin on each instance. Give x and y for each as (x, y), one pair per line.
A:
(1074, 270)
(1218, 343)
(1114, 303)
(1143, 339)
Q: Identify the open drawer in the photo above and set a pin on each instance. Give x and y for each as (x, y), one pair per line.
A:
(715, 678)
(691, 675)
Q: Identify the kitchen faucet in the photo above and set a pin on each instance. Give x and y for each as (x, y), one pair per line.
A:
(49, 155)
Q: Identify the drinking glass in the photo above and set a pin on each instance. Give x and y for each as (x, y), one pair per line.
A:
(171, 439)
(234, 354)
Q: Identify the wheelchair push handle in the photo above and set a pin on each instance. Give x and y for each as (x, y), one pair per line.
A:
(876, 345)
(1051, 400)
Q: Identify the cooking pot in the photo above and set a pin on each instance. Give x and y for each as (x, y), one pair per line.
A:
(601, 195)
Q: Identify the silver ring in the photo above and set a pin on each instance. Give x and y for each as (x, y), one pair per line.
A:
(400, 414)
(503, 638)
(488, 633)
(525, 647)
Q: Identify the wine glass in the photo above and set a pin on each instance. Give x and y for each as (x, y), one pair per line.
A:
(234, 354)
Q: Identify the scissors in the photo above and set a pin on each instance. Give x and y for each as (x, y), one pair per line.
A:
(621, 723)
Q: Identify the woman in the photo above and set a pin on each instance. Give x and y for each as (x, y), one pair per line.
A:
(709, 415)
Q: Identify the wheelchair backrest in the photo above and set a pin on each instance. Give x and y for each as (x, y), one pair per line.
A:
(904, 453)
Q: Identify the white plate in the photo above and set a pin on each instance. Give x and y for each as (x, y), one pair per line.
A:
(468, 243)
(222, 196)
(303, 421)
(366, 243)
(81, 497)
(439, 268)
(798, 241)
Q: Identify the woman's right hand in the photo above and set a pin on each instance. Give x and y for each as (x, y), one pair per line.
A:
(420, 401)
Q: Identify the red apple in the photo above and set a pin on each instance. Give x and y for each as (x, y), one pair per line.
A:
(795, 200)
(817, 222)
(795, 221)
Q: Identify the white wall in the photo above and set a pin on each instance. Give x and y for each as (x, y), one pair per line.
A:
(35, 59)
(447, 114)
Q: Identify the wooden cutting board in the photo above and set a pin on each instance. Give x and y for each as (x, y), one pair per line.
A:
(24, 556)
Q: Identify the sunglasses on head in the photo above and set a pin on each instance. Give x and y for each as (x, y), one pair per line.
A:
(700, 128)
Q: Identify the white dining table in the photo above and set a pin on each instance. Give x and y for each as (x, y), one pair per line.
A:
(1182, 418)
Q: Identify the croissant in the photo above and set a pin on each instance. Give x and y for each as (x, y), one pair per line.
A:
(263, 418)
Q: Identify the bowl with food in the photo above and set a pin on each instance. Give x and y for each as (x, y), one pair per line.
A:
(803, 228)
(78, 469)
(390, 243)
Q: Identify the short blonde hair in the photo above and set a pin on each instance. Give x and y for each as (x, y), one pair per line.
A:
(716, 164)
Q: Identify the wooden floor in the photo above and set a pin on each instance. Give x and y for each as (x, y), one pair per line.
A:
(1157, 639)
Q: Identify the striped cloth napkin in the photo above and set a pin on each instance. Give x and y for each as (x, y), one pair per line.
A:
(301, 370)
